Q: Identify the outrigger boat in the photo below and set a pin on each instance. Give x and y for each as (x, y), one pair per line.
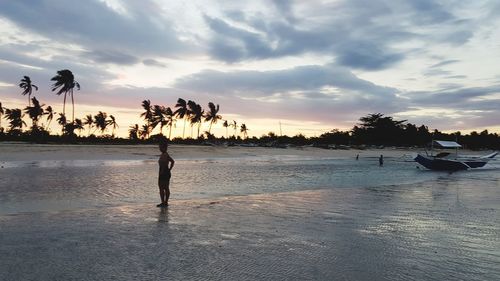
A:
(445, 161)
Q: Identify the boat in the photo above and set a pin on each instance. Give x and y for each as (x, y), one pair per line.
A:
(446, 161)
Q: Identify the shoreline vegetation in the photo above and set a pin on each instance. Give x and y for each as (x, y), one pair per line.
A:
(373, 130)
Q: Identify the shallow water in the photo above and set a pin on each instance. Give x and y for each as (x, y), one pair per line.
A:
(248, 217)
(29, 186)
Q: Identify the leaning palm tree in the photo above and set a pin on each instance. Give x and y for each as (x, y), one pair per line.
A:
(244, 130)
(148, 112)
(225, 125)
(182, 112)
(212, 116)
(196, 115)
(34, 112)
(101, 122)
(158, 117)
(27, 88)
(133, 132)
(112, 122)
(50, 115)
(15, 117)
(65, 82)
(88, 121)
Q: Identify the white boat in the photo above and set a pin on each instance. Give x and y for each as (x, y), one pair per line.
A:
(446, 161)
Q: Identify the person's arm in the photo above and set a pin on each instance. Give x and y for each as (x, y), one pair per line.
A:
(172, 162)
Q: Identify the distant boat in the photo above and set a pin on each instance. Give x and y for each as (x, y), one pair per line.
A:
(445, 161)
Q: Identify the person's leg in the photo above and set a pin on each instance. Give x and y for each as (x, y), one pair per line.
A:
(161, 185)
(167, 192)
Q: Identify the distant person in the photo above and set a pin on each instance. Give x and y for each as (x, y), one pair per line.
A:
(357, 156)
(381, 160)
(164, 175)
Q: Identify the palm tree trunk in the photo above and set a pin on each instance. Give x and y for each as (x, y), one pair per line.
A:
(29, 99)
(226, 132)
(64, 105)
(199, 126)
(210, 127)
(184, 128)
(170, 132)
(73, 103)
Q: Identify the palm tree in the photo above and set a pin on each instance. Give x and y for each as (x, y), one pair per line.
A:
(244, 130)
(34, 112)
(148, 113)
(170, 118)
(15, 117)
(196, 114)
(62, 120)
(144, 132)
(235, 125)
(78, 125)
(112, 122)
(225, 125)
(88, 121)
(27, 87)
(182, 112)
(158, 118)
(100, 121)
(212, 116)
(50, 115)
(133, 132)
(65, 82)
(1, 113)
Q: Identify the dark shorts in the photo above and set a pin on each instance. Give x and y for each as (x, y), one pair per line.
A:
(165, 176)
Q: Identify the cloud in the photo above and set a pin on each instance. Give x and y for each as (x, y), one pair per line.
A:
(115, 57)
(443, 63)
(153, 62)
(95, 25)
(311, 93)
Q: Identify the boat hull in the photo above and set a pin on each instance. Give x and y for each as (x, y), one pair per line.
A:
(442, 164)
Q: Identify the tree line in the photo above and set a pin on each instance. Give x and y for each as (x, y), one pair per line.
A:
(64, 83)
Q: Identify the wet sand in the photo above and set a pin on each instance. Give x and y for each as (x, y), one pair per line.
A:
(392, 233)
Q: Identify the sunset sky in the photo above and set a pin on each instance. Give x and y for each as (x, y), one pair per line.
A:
(311, 65)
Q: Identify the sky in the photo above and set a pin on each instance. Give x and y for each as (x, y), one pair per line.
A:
(310, 66)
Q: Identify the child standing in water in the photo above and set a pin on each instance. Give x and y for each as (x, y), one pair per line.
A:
(164, 175)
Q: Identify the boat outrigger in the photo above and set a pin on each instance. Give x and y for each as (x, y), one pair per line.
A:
(445, 161)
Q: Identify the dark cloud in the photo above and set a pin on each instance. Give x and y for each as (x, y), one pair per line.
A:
(93, 24)
(262, 83)
(443, 63)
(457, 77)
(462, 97)
(114, 57)
(153, 62)
(366, 55)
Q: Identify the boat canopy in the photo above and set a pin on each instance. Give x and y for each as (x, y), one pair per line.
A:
(447, 144)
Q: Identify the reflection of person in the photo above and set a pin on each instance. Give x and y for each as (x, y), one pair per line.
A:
(164, 175)
(381, 160)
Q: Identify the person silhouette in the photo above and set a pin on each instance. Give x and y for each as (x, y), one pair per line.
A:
(381, 160)
(164, 173)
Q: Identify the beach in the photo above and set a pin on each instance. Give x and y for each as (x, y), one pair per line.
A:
(79, 212)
